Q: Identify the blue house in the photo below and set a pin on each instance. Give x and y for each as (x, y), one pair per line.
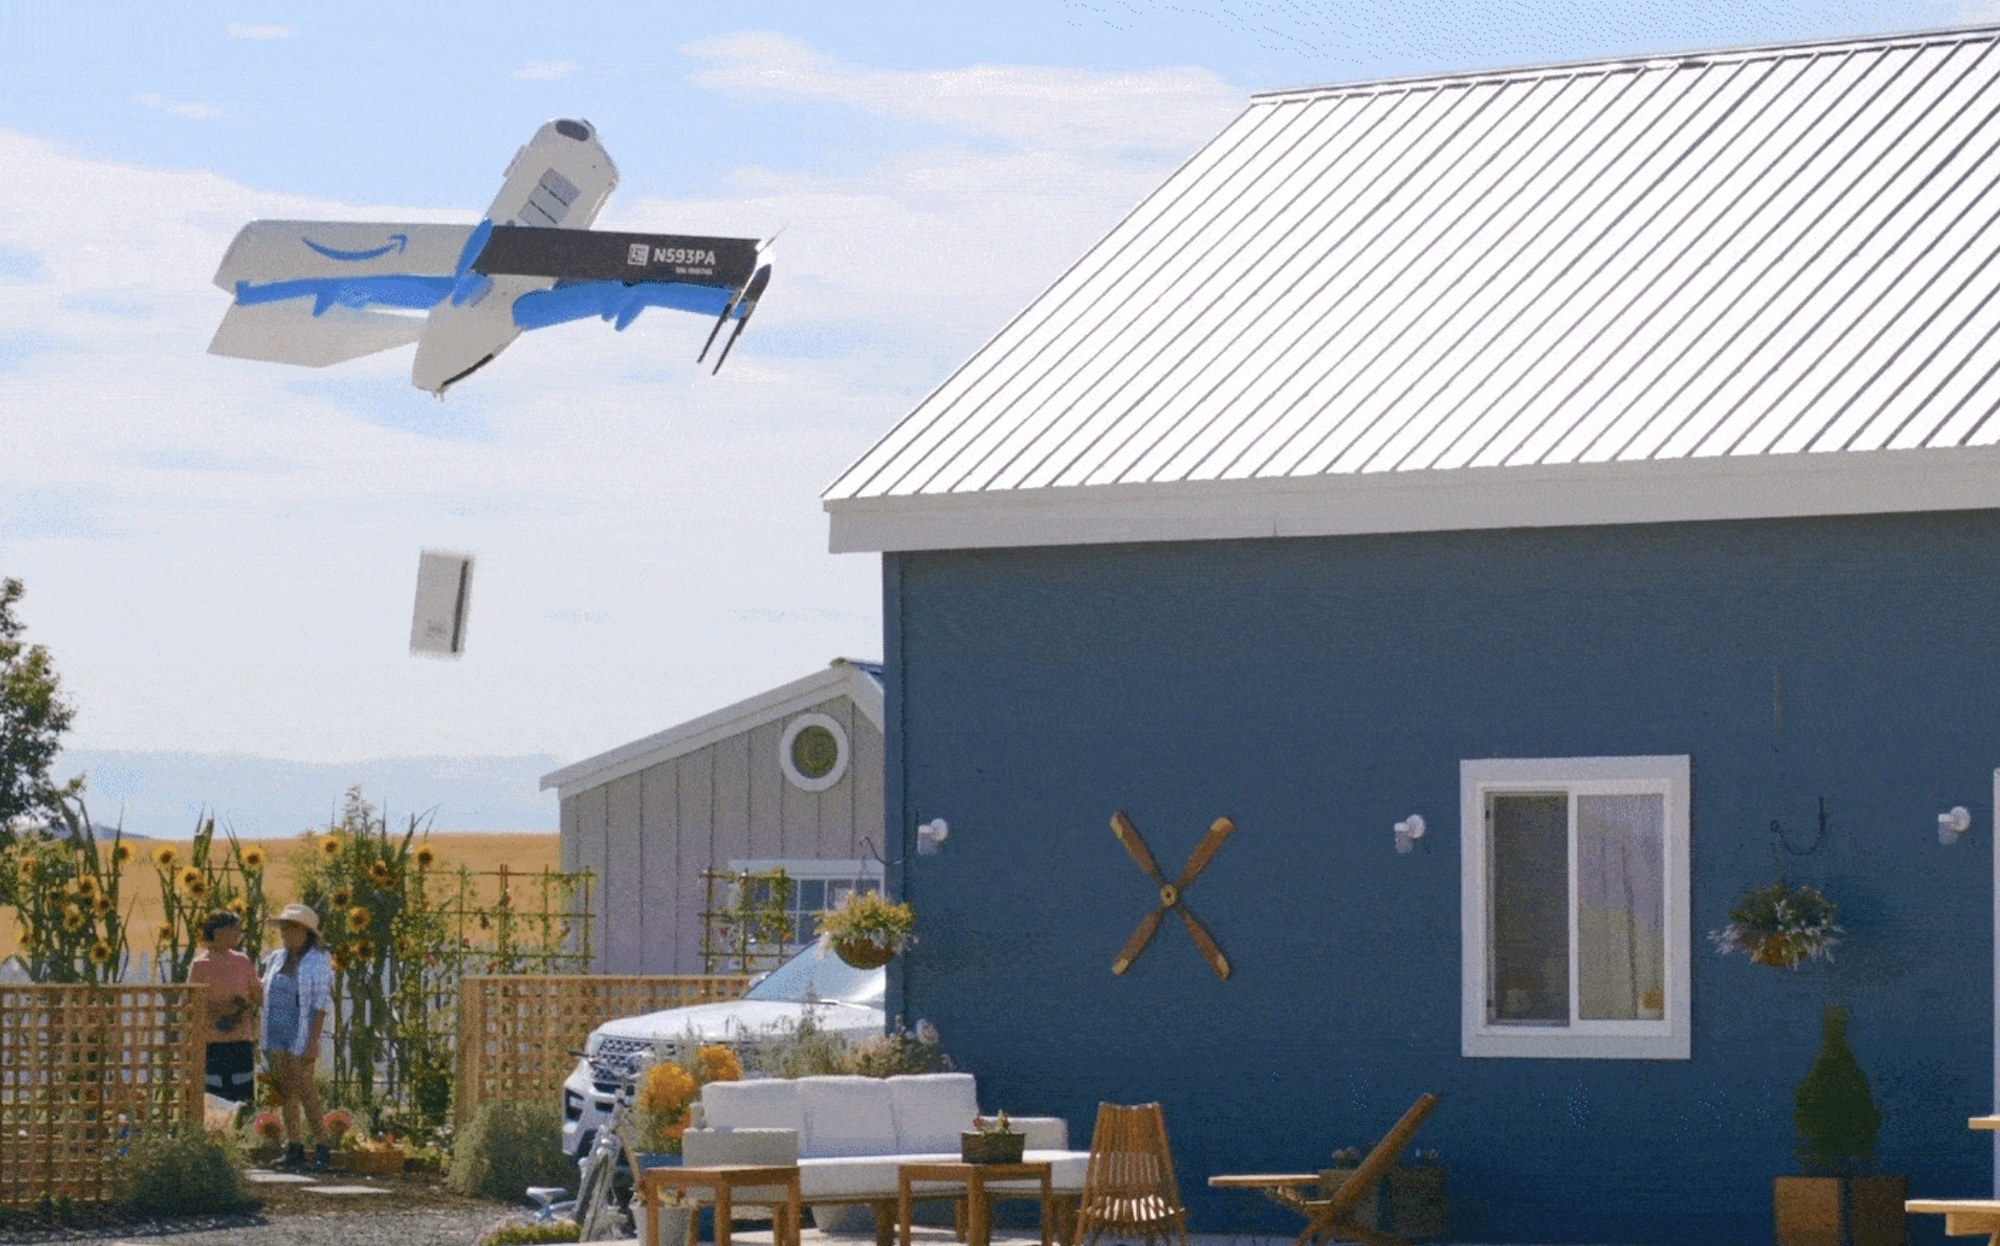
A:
(1596, 461)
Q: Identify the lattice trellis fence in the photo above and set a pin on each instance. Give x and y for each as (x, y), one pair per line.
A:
(85, 1071)
(519, 1035)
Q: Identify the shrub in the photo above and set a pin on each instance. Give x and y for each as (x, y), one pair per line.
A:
(184, 1175)
(517, 1232)
(509, 1147)
(1837, 1117)
(900, 1051)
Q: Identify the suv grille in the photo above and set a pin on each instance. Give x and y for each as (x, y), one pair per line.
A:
(611, 1067)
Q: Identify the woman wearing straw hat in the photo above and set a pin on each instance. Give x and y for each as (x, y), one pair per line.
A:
(298, 999)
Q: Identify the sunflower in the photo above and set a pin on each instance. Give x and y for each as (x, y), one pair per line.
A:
(73, 919)
(100, 953)
(121, 853)
(342, 898)
(190, 876)
(102, 905)
(381, 875)
(196, 887)
(364, 950)
(85, 885)
(426, 857)
(165, 934)
(340, 960)
(358, 919)
(238, 907)
(253, 858)
(330, 847)
(165, 857)
(29, 867)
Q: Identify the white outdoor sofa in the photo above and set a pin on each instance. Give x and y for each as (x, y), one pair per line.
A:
(847, 1135)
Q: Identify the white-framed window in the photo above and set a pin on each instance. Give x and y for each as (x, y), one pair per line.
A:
(1574, 886)
(813, 751)
(817, 885)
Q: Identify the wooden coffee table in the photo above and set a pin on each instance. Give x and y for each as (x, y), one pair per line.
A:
(724, 1181)
(979, 1199)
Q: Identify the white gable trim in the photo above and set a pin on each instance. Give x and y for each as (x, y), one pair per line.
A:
(1763, 486)
(840, 679)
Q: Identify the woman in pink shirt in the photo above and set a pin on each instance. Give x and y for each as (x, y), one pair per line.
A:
(234, 994)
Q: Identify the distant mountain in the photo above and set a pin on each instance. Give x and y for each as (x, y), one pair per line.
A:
(161, 794)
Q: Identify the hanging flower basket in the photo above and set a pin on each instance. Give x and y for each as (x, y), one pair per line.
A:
(1781, 926)
(865, 953)
(868, 930)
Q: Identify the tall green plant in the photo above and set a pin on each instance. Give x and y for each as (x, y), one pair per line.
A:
(1837, 1117)
(64, 892)
(209, 879)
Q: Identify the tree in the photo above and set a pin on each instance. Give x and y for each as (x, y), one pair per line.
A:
(33, 716)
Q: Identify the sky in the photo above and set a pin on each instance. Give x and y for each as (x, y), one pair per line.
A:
(222, 554)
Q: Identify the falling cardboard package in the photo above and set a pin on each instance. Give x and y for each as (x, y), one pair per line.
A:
(444, 588)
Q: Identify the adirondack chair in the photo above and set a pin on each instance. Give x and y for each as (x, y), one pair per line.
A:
(1330, 1219)
(1129, 1185)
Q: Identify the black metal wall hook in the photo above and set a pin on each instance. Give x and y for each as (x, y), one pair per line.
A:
(1780, 838)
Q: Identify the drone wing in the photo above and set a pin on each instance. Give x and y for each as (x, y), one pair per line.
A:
(618, 275)
(308, 292)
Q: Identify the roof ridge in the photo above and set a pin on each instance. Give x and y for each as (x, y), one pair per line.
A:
(1705, 56)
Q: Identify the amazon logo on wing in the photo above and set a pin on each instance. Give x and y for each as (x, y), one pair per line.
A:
(397, 242)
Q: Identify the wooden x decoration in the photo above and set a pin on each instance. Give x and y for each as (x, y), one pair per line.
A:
(1170, 893)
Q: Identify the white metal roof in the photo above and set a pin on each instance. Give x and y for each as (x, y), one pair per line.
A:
(1734, 283)
(860, 681)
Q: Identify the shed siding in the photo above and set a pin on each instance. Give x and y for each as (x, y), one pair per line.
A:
(649, 835)
(1319, 690)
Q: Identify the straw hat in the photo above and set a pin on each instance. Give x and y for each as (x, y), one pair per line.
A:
(301, 914)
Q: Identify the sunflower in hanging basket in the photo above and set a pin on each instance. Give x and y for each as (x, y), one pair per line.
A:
(868, 930)
(1781, 926)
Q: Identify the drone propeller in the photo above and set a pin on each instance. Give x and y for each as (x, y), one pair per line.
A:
(1170, 893)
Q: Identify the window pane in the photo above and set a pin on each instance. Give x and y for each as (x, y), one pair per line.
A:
(1530, 908)
(867, 884)
(812, 895)
(808, 928)
(1621, 919)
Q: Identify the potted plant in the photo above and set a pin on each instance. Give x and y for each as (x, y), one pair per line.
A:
(868, 930)
(667, 1093)
(991, 1140)
(1781, 926)
(1837, 1202)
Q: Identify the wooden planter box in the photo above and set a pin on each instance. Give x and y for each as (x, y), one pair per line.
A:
(374, 1163)
(1409, 1202)
(980, 1147)
(1840, 1211)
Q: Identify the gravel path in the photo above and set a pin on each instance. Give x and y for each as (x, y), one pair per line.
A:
(373, 1226)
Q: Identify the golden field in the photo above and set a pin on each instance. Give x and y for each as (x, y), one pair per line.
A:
(477, 851)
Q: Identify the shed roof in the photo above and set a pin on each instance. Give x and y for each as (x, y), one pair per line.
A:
(860, 681)
(1741, 283)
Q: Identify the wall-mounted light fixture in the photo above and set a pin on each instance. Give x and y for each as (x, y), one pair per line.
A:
(1952, 823)
(1409, 831)
(930, 835)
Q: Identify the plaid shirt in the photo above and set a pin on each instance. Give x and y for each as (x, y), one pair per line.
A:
(315, 973)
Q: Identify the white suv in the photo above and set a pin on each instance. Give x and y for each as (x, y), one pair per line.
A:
(839, 998)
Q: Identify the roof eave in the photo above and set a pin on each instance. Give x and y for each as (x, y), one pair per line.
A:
(840, 678)
(1564, 495)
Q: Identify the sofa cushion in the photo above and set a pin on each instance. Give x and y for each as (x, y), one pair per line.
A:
(858, 1176)
(847, 1116)
(933, 1109)
(766, 1103)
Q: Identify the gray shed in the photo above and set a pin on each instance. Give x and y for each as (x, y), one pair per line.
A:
(790, 778)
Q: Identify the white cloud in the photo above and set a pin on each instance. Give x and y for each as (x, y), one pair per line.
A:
(222, 553)
(541, 71)
(179, 108)
(245, 30)
(1035, 105)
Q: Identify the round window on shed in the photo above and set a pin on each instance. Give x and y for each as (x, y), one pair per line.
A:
(813, 752)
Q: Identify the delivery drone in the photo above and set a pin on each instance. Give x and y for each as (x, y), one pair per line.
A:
(322, 292)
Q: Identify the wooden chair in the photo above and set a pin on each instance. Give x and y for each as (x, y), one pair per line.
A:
(1129, 1185)
(1332, 1218)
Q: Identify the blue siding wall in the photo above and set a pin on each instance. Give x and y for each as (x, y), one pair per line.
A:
(1319, 690)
